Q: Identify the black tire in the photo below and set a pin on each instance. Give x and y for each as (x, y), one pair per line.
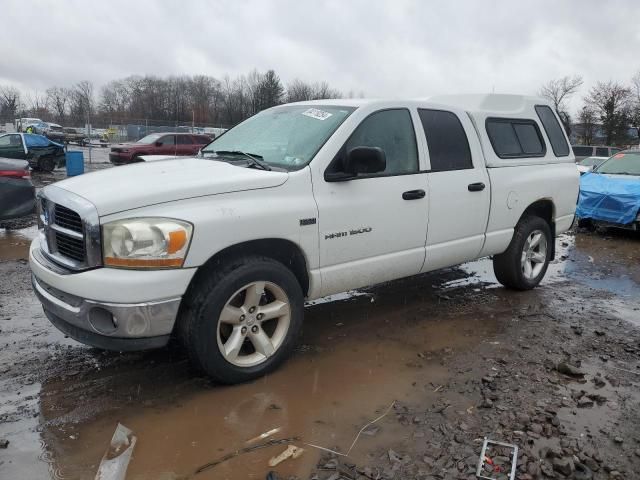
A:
(507, 266)
(200, 313)
(586, 223)
(46, 164)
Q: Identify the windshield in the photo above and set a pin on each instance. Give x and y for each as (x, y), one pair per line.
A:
(591, 161)
(149, 139)
(627, 163)
(286, 137)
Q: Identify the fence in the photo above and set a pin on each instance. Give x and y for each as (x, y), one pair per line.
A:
(131, 129)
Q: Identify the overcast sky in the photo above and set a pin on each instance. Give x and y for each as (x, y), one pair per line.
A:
(382, 48)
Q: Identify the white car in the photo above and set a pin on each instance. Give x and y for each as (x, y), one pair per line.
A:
(298, 202)
(589, 163)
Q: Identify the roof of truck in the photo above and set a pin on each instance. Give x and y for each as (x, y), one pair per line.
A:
(491, 102)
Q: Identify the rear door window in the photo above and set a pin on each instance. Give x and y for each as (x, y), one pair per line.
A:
(554, 130)
(602, 152)
(515, 138)
(528, 138)
(184, 140)
(446, 139)
(168, 140)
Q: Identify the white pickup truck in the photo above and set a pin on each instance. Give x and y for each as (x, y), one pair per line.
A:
(298, 202)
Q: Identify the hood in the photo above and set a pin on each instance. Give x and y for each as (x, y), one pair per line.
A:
(609, 198)
(131, 145)
(140, 184)
(155, 158)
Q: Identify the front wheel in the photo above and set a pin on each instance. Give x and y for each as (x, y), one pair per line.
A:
(47, 164)
(243, 320)
(523, 265)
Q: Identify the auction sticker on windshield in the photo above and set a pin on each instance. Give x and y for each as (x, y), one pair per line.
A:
(317, 114)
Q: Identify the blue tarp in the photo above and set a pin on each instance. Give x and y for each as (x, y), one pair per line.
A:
(34, 140)
(609, 198)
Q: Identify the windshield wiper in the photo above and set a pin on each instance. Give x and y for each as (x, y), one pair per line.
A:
(256, 160)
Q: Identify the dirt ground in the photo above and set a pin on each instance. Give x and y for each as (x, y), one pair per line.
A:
(446, 359)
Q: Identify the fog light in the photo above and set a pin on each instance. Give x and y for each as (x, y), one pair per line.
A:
(102, 320)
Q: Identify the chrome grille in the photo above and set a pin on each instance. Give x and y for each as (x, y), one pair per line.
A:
(70, 247)
(67, 218)
(70, 234)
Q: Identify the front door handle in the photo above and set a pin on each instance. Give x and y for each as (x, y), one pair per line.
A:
(476, 187)
(413, 195)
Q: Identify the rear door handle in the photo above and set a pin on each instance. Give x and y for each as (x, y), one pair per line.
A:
(413, 195)
(476, 187)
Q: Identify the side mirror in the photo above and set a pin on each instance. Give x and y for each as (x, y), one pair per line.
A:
(365, 160)
(158, 144)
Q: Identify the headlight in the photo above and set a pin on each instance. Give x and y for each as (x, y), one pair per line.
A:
(146, 243)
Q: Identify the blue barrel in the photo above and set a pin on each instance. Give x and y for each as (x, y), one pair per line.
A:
(75, 163)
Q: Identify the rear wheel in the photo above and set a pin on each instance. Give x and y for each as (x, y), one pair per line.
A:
(523, 265)
(243, 320)
(46, 164)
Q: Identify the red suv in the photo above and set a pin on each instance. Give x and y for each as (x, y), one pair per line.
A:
(158, 144)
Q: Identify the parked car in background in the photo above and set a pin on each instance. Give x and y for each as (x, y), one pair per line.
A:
(583, 151)
(41, 152)
(589, 163)
(172, 144)
(52, 131)
(610, 195)
(22, 123)
(75, 135)
(300, 201)
(17, 193)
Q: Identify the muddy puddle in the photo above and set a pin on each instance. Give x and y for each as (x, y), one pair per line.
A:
(357, 357)
(14, 244)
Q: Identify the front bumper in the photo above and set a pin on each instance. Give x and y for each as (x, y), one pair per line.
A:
(109, 308)
(111, 326)
(118, 158)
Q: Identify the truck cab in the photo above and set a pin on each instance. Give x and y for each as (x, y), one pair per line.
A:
(298, 202)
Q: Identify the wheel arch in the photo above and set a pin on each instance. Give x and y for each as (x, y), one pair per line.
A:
(545, 209)
(284, 251)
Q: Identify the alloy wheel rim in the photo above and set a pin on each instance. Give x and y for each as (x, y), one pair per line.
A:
(253, 324)
(534, 254)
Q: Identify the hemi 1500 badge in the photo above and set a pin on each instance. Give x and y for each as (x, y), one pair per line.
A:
(354, 231)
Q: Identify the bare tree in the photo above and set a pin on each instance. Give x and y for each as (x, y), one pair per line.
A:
(82, 102)
(635, 109)
(612, 101)
(58, 98)
(37, 103)
(166, 101)
(587, 118)
(322, 90)
(558, 91)
(298, 91)
(9, 101)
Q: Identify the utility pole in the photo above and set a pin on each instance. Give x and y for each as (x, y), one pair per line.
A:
(89, 125)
